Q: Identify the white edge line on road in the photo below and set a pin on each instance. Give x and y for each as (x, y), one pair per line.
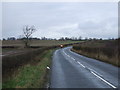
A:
(55, 52)
(93, 72)
(104, 80)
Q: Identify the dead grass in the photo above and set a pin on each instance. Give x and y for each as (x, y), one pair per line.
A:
(106, 51)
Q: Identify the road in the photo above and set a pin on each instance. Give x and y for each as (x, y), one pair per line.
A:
(71, 70)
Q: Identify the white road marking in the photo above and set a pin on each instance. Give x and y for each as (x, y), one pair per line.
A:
(94, 71)
(68, 55)
(65, 54)
(56, 52)
(63, 51)
(78, 62)
(72, 58)
(81, 64)
(104, 80)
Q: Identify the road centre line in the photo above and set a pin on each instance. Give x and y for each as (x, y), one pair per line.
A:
(74, 59)
(66, 54)
(104, 80)
(63, 51)
(81, 64)
(93, 72)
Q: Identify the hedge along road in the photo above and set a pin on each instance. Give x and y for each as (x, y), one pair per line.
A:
(71, 70)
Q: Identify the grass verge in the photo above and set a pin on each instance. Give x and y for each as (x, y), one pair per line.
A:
(103, 50)
(101, 57)
(32, 75)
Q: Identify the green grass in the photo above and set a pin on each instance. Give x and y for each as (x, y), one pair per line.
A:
(31, 75)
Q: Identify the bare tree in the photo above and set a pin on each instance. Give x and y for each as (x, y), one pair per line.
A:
(28, 31)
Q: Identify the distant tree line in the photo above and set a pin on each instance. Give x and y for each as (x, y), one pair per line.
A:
(60, 39)
(29, 30)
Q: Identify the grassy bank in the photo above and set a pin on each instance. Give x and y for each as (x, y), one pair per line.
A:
(103, 50)
(32, 75)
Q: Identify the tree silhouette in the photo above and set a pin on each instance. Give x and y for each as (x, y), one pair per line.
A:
(28, 31)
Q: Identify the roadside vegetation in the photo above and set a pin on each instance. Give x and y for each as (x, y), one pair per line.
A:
(17, 46)
(19, 43)
(31, 75)
(103, 50)
(26, 67)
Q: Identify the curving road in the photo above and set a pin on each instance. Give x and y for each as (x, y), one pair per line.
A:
(71, 70)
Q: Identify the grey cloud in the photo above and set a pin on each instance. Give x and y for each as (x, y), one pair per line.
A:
(60, 19)
(106, 28)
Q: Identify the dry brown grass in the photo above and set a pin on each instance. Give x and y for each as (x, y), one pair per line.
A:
(106, 51)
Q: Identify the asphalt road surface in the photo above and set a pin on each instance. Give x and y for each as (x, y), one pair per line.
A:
(71, 70)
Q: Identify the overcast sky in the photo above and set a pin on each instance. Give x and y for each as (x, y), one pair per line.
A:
(55, 20)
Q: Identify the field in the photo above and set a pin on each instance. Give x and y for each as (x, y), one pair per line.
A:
(36, 42)
(16, 46)
(104, 50)
(32, 75)
(26, 67)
